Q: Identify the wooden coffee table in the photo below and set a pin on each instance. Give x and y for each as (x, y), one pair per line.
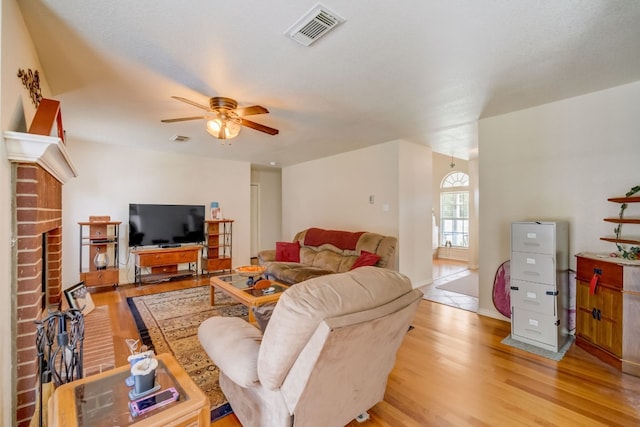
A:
(236, 287)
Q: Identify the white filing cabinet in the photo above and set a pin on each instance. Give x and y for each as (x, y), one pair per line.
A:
(539, 283)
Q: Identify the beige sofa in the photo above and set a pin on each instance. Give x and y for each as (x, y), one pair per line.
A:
(326, 354)
(327, 252)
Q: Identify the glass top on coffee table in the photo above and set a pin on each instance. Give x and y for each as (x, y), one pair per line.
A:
(236, 286)
(237, 280)
(251, 284)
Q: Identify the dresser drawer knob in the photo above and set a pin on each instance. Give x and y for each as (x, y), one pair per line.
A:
(596, 313)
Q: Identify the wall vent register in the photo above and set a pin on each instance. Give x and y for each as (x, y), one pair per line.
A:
(313, 25)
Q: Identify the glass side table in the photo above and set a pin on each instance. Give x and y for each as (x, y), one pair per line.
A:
(103, 400)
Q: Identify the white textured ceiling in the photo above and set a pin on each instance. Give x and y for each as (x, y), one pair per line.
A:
(419, 70)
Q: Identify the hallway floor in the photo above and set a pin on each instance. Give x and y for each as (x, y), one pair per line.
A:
(445, 271)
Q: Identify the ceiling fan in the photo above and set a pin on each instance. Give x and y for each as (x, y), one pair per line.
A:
(224, 118)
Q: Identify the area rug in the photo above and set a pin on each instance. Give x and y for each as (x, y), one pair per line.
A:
(168, 322)
(467, 285)
(557, 356)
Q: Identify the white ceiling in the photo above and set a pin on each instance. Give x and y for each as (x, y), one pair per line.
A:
(420, 70)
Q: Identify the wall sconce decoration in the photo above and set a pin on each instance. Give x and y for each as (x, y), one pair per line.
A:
(31, 81)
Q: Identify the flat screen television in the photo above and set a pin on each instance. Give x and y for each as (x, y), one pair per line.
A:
(165, 225)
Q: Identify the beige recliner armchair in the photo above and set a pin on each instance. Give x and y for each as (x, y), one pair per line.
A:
(326, 353)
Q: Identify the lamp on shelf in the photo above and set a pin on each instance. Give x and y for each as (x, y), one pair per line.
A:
(101, 259)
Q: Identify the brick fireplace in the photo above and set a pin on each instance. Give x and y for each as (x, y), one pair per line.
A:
(40, 166)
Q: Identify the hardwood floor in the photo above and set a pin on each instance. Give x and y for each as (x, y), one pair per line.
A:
(121, 320)
(445, 271)
(452, 370)
(446, 267)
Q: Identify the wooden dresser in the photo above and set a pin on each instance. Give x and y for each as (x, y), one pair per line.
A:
(608, 317)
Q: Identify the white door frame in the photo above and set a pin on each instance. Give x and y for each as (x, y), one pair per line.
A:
(255, 219)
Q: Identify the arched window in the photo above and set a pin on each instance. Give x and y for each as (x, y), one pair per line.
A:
(454, 210)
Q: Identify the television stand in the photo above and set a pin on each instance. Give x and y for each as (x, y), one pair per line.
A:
(164, 263)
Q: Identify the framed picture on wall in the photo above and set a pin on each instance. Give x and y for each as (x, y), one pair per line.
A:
(79, 298)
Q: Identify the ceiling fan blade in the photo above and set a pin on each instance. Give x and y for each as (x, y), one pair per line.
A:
(250, 111)
(261, 128)
(182, 119)
(190, 102)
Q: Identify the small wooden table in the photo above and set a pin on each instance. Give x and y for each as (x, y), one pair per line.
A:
(236, 287)
(102, 400)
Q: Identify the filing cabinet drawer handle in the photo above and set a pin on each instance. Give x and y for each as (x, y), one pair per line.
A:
(514, 288)
(552, 293)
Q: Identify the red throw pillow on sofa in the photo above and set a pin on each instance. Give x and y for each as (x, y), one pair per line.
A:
(365, 259)
(287, 251)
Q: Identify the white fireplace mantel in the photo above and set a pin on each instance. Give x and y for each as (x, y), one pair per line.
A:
(48, 152)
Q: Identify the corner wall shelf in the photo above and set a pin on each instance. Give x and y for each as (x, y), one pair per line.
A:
(629, 240)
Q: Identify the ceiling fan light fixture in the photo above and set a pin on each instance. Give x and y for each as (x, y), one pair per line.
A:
(223, 118)
(223, 124)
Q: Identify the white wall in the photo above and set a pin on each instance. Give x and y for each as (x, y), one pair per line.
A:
(111, 177)
(556, 161)
(334, 193)
(474, 201)
(415, 172)
(15, 111)
(270, 183)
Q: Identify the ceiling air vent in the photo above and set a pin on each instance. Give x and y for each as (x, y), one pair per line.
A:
(315, 24)
(179, 138)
